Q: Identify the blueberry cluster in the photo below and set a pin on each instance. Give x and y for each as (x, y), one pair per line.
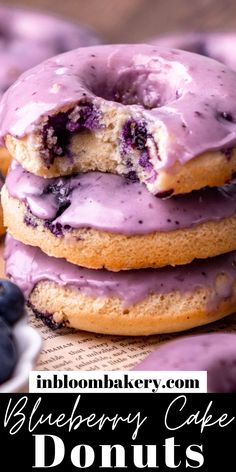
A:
(11, 310)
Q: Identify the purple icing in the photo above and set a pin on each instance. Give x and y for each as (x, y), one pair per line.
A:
(113, 203)
(183, 95)
(27, 266)
(215, 353)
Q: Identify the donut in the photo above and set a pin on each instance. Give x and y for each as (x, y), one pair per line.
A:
(140, 302)
(215, 353)
(101, 220)
(29, 37)
(5, 161)
(137, 110)
(219, 46)
(2, 229)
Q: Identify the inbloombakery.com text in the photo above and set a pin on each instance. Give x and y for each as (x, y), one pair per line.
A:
(119, 382)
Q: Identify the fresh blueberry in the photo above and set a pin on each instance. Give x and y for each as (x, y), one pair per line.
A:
(11, 302)
(8, 352)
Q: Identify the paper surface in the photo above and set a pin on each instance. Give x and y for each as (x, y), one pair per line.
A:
(66, 349)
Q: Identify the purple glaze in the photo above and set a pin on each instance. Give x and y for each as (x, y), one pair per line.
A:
(113, 203)
(220, 46)
(185, 95)
(215, 353)
(24, 42)
(27, 266)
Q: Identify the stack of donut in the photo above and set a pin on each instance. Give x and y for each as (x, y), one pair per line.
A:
(26, 39)
(120, 202)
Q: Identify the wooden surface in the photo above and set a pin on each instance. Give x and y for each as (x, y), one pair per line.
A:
(135, 20)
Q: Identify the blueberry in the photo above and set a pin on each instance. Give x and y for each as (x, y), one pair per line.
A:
(8, 352)
(59, 129)
(11, 302)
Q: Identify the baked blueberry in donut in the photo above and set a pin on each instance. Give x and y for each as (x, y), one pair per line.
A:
(97, 219)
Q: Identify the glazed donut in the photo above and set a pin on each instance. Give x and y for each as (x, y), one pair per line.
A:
(139, 302)
(26, 39)
(137, 110)
(219, 46)
(215, 353)
(101, 220)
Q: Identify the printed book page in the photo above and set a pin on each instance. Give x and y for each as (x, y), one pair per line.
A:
(66, 349)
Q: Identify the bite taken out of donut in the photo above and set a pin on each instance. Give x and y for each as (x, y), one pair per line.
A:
(161, 116)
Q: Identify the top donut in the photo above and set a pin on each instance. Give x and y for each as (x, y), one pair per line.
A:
(29, 37)
(161, 116)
